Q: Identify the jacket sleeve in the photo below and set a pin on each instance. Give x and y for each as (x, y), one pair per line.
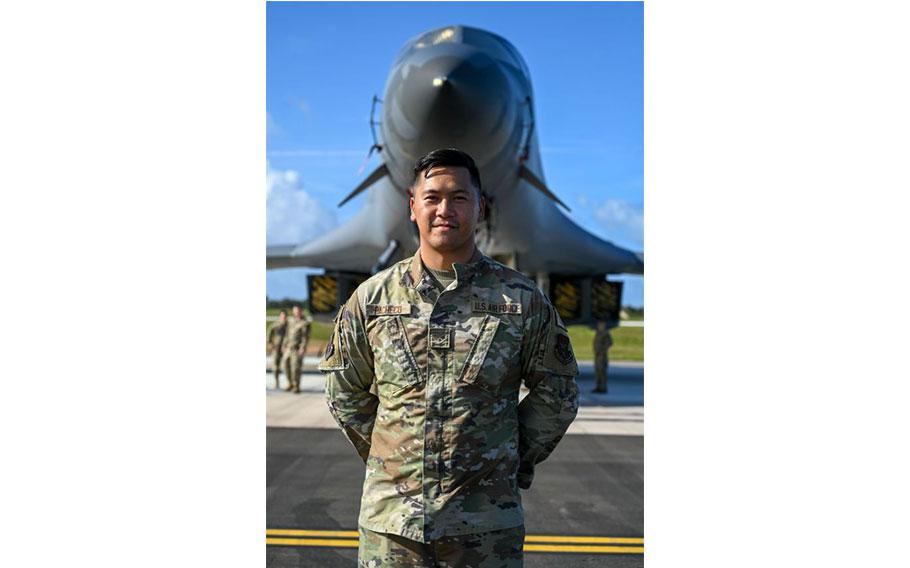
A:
(549, 368)
(348, 369)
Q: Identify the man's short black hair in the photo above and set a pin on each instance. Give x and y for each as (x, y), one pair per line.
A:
(448, 157)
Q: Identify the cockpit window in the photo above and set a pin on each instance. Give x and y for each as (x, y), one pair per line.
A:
(451, 34)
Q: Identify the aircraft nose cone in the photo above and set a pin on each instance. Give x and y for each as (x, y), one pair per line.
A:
(450, 100)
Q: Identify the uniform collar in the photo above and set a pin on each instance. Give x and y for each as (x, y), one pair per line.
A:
(420, 279)
(465, 272)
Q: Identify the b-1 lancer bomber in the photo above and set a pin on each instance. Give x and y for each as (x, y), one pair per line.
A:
(466, 88)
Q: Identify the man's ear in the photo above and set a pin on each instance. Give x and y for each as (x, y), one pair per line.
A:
(411, 204)
(483, 208)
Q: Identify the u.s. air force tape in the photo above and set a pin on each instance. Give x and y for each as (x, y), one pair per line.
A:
(494, 308)
(388, 309)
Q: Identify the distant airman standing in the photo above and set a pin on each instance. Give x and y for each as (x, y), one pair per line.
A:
(295, 343)
(277, 333)
(602, 343)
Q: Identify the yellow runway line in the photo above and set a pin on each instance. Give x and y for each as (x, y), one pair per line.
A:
(585, 539)
(301, 532)
(313, 542)
(586, 549)
(545, 543)
(529, 538)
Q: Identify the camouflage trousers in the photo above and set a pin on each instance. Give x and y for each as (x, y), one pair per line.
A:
(276, 361)
(292, 365)
(496, 549)
(601, 363)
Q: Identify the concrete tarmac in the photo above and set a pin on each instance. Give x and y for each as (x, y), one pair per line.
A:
(619, 412)
(592, 484)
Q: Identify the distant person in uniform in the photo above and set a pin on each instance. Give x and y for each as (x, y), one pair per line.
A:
(295, 344)
(277, 333)
(602, 343)
(423, 371)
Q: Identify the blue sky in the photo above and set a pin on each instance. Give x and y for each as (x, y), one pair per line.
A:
(325, 61)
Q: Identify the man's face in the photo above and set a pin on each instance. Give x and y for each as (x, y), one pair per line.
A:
(296, 311)
(446, 208)
(282, 317)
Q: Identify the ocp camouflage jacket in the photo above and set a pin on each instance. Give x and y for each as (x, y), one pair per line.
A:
(425, 384)
(277, 333)
(298, 333)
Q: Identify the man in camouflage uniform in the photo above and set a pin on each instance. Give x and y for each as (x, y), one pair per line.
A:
(602, 343)
(295, 342)
(276, 338)
(423, 372)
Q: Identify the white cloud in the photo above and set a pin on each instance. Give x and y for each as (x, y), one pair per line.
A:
(292, 215)
(623, 222)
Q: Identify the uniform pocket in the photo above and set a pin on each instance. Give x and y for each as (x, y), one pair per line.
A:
(396, 367)
(473, 371)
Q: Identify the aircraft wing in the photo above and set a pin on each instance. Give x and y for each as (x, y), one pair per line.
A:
(358, 244)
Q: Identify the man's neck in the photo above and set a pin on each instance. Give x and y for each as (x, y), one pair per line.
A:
(444, 260)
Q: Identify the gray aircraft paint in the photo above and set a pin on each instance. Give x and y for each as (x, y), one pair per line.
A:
(464, 88)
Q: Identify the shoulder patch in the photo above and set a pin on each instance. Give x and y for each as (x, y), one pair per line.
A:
(558, 356)
(497, 308)
(563, 350)
(335, 357)
(388, 309)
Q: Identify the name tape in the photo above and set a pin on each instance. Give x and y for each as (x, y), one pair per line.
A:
(388, 309)
(491, 308)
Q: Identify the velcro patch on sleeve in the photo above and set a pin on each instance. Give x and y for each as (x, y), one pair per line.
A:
(558, 356)
(388, 309)
(335, 357)
(497, 308)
